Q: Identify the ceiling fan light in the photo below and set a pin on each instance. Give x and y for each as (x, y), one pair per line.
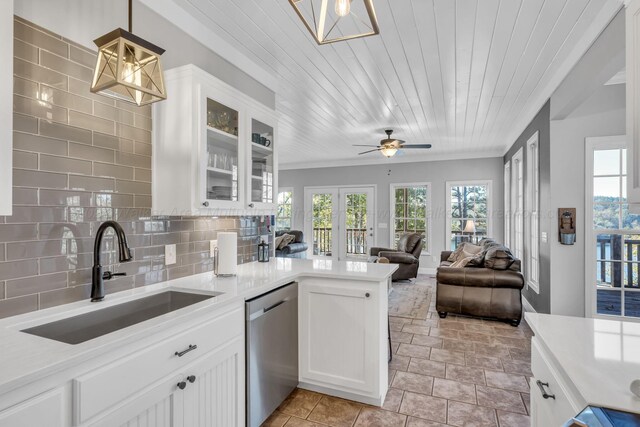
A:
(389, 151)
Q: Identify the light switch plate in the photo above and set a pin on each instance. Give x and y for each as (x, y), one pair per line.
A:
(383, 225)
(544, 237)
(169, 254)
(213, 244)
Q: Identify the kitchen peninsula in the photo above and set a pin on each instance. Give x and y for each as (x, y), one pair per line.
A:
(578, 362)
(143, 371)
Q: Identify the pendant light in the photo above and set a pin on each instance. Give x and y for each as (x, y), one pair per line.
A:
(128, 67)
(331, 21)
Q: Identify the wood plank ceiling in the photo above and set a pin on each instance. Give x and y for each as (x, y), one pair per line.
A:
(463, 75)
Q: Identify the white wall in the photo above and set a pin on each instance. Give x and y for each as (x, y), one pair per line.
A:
(601, 115)
(6, 105)
(85, 20)
(382, 175)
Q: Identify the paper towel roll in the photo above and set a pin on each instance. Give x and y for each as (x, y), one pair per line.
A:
(227, 253)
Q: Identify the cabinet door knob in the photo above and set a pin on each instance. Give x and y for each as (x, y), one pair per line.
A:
(191, 379)
(182, 385)
(251, 205)
(205, 204)
(545, 395)
(367, 295)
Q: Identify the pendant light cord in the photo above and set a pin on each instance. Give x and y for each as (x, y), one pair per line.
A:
(131, 16)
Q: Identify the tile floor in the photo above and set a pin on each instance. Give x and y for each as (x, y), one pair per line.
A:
(456, 371)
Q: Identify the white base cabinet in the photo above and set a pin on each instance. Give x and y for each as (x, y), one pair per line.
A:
(343, 338)
(51, 409)
(553, 402)
(159, 384)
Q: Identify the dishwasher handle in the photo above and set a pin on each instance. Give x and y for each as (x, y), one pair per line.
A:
(264, 311)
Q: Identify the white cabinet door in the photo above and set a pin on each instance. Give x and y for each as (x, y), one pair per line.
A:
(214, 396)
(49, 409)
(552, 402)
(161, 405)
(339, 335)
(207, 393)
(263, 141)
(633, 102)
(6, 106)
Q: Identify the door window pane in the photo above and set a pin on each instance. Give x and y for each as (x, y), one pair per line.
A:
(322, 224)
(606, 162)
(606, 189)
(632, 304)
(609, 302)
(356, 224)
(606, 216)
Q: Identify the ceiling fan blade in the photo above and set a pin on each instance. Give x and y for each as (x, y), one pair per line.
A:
(370, 151)
(416, 146)
(361, 145)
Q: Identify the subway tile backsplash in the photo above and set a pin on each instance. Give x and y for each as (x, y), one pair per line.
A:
(81, 159)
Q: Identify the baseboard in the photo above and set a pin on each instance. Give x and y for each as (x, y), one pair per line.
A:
(528, 308)
(427, 270)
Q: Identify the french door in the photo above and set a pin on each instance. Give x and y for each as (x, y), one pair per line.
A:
(339, 222)
(612, 232)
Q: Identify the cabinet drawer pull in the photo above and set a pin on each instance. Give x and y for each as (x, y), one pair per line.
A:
(182, 385)
(545, 395)
(187, 350)
(191, 379)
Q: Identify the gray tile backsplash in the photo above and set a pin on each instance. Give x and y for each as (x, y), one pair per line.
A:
(81, 159)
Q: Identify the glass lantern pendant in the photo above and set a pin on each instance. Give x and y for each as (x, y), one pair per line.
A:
(128, 67)
(331, 21)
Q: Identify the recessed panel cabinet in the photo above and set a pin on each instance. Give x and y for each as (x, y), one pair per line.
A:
(214, 149)
(342, 339)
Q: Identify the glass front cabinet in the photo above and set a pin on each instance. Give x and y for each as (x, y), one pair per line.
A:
(214, 149)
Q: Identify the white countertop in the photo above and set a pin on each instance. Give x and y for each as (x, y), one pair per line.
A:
(601, 357)
(25, 357)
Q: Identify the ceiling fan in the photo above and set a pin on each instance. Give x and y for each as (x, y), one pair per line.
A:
(390, 146)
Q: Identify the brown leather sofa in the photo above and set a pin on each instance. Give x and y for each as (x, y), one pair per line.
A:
(479, 291)
(407, 256)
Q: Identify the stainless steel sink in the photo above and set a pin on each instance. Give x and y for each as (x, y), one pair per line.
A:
(78, 329)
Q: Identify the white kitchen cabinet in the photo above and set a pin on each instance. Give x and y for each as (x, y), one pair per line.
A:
(552, 400)
(214, 149)
(342, 337)
(632, 24)
(51, 409)
(6, 107)
(213, 395)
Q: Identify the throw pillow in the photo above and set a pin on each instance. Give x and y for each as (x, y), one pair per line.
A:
(465, 250)
(278, 241)
(287, 238)
(462, 262)
(498, 257)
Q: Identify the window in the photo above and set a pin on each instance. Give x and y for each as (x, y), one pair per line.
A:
(410, 211)
(613, 250)
(507, 204)
(467, 211)
(533, 213)
(285, 209)
(517, 205)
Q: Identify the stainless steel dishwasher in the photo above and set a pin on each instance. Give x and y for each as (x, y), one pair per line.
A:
(272, 351)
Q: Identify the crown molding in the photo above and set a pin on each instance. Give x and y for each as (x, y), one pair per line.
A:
(393, 161)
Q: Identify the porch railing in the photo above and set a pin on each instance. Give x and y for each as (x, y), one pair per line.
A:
(611, 249)
(356, 241)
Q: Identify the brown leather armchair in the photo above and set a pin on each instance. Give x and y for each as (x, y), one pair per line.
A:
(407, 256)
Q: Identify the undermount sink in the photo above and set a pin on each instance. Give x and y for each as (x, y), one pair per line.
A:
(84, 327)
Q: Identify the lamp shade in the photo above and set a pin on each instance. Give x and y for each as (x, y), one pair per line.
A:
(470, 226)
(389, 151)
(331, 21)
(128, 68)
